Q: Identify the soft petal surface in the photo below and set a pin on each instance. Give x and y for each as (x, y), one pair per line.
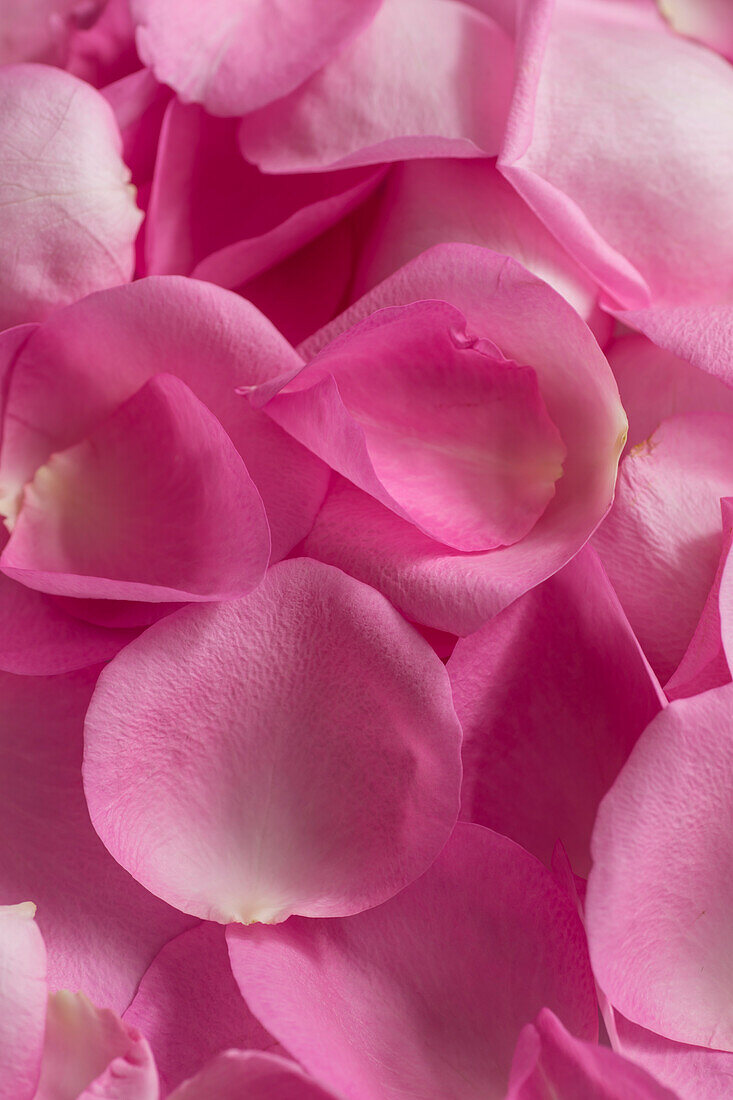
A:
(68, 217)
(708, 21)
(661, 542)
(432, 422)
(155, 504)
(22, 1000)
(416, 106)
(693, 1073)
(550, 1063)
(318, 723)
(101, 929)
(425, 996)
(233, 56)
(39, 30)
(237, 1074)
(89, 1053)
(189, 1008)
(700, 334)
(79, 366)
(602, 185)
(660, 894)
(552, 695)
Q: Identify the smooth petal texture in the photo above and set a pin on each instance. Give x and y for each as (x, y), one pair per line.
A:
(89, 1053)
(661, 542)
(392, 94)
(425, 995)
(549, 1063)
(22, 1001)
(708, 21)
(101, 929)
(428, 202)
(317, 722)
(39, 30)
(237, 1074)
(694, 1073)
(84, 362)
(530, 324)
(601, 184)
(552, 694)
(156, 504)
(68, 217)
(234, 56)
(660, 894)
(430, 421)
(189, 1008)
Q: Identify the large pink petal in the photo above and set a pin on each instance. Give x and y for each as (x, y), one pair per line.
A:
(532, 325)
(237, 1074)
(427, 78)
(552, 695)
(101, 929)
(234, 57)
(318, 724)
(695, 1073)
(89, 1054)
(660, 544)
(68, 217)
(611, 105)
(155, 504)
(708, 21)
(86, 360)
(425, 996)
(660, 893)
(189, 1008)
(22, 1001)
(550, 1063)
(431, 421)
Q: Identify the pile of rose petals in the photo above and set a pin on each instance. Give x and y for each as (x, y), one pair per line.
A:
(366, 572)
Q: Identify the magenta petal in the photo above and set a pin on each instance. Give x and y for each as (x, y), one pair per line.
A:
(238, 1074)
(101, 929)
(660, 893)
(156, 504)
(189, 1008)
(552, 695)
(550, 1063)
(22, 1001)
(317, 722)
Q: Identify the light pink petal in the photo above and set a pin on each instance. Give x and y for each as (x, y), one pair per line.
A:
(89, 1054)
(427, 78)
(214, 215)
(660, 894)
(68, 217)
(610, 105)
(424, 996)
(701, 335)
(155, 504)
(661, 542)
(101, 929)
(233, 56)
(531, 325)
(552, 695)
(431, 421)
(238, 1074)
(86, 360)
(427, 202)
(189, 1008)
(311, 717)
(550, 1063)
(695, 1073)
(708, 21)
(22, 1001)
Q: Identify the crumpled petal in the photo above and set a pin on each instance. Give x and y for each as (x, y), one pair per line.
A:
(101, 929)
(22, 1001)
(417, 105)
(189, 1007)
(237, 1074)
(68, 218)
(552, 695)
(234, 57)
(155, 504)
(425, 995)
(318, 724)
(660, 893)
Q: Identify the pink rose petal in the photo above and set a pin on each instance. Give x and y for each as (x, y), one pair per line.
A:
(237, 1074)
(22, 1001)
(708, 21)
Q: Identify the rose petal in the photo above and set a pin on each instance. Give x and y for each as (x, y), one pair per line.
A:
(695, 1073)
(22, 1001)
(709, 21)
(237, 1074)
